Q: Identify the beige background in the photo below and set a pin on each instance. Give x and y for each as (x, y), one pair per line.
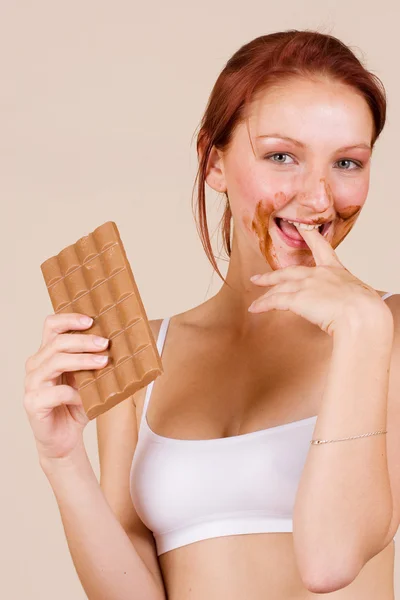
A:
(99, 102)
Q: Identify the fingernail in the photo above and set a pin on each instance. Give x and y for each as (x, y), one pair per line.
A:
(101, 359)
(255, 277)
(86, 320)
(99, 341)
(251, 306)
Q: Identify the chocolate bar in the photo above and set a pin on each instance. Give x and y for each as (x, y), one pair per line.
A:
(94, 277)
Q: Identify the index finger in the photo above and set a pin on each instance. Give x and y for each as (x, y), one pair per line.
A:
(321, 249)
(63, 322)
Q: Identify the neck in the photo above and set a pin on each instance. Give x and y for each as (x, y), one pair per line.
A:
(235, 296)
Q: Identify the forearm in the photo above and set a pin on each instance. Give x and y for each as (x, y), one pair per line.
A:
(343, 506)
(106, 562)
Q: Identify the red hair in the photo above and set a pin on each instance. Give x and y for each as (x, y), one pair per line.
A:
(263, 62)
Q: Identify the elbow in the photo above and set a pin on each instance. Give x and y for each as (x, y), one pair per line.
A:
(331, 569)
(324, 563)
(323, 579)
(326, 584)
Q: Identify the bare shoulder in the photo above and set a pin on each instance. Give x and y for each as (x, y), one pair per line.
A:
(155, 325)
(383, 293)
(393, 302)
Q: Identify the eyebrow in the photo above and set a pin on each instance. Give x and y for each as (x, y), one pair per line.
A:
(301, 145)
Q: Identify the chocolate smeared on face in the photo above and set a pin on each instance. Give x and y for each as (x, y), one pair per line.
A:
(259, 226)
(263, 216)
(344, 224)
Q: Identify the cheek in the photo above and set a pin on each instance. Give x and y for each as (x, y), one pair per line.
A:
(346, 194)
(255, 214)
(349, 201)
(249, 182)
(260, 196)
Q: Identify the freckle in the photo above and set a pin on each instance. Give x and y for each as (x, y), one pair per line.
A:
(329, 192)
(280, 200)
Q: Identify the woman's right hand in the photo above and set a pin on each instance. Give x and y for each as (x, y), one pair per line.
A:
(54, 409)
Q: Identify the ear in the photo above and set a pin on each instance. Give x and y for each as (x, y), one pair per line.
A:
(215, 171)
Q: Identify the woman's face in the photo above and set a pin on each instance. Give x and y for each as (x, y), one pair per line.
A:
(321, 174)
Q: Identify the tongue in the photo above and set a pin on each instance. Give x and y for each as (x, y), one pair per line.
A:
(290, 230)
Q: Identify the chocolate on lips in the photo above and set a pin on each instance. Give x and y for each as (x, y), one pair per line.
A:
(93, 277)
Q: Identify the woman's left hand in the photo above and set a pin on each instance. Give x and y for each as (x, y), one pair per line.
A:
(327, 295)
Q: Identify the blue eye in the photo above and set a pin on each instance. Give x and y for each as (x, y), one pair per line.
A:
(272, 157)
(278, 154)
(347, 160)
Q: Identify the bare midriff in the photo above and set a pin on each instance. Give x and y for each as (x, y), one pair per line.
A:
(259, 567)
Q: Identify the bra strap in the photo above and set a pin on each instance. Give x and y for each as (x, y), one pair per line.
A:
(162, 334)
(387, 295)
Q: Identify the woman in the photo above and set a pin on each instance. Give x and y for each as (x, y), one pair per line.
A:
(228, 485)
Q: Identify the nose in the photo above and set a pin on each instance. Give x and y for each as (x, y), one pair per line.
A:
(316, 195)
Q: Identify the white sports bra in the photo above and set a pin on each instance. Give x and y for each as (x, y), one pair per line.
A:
(190, 490)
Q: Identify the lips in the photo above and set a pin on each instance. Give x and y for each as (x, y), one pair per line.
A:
(298, 243)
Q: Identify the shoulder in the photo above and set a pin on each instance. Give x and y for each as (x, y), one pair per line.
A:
(155, 325)
(393, 303)
(393, 300)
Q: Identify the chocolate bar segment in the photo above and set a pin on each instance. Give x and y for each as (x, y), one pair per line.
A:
(94, 277)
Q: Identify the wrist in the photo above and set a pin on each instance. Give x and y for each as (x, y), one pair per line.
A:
(77, 459)
(366, 321)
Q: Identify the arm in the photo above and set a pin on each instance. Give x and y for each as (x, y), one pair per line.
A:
(105, 559)
(343, 506)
